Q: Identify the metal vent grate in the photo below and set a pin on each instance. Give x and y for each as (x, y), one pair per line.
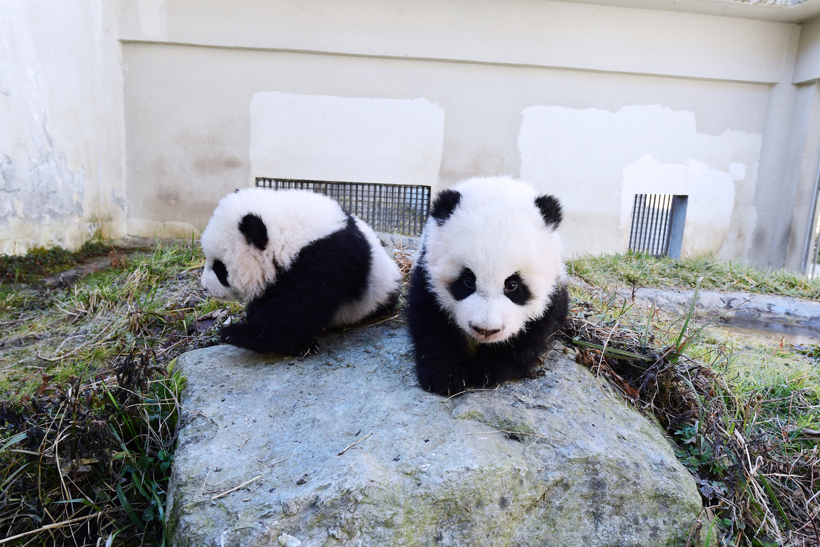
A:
(385, 207)
(657, 224)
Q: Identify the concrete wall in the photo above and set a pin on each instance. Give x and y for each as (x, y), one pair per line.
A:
(592, 103)
(61, 124)
(796, 228)
(630, 101)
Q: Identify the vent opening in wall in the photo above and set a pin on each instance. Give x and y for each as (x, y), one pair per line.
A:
(385, 207)
(657, 224)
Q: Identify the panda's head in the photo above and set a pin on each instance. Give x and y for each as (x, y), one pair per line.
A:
(237, 263)
(493, 255)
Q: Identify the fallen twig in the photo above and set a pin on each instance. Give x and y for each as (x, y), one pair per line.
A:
(235, 488)
(354, 443)
(51, 527)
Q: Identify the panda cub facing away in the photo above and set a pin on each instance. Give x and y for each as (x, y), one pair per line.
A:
(489, 287)
(299, 262)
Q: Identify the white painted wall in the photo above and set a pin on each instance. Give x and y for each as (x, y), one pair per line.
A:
(807, 67)
(522, 32)
(61, 124)
(594, 127)
(519, 88)
(317, 137)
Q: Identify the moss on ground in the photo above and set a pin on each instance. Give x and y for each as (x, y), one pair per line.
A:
(41, 262)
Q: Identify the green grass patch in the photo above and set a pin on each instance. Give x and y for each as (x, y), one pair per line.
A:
(41, 262)
(641, 270)
(89, 398)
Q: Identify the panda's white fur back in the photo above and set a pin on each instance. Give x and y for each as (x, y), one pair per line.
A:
(293, 218)
(496, 230)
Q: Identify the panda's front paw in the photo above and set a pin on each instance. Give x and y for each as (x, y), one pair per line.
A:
(235, 334)
(448, 386)
(310, 349)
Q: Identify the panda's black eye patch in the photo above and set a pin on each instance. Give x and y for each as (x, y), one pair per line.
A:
(221, 272)
(516, 290)
(464, 286)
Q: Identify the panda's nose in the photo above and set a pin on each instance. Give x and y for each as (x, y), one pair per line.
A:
(484, 332)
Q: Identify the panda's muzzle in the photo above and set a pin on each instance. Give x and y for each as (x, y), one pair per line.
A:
(484, 332)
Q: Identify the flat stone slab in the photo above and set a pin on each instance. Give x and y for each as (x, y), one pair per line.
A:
(734, 305)
(344, 448)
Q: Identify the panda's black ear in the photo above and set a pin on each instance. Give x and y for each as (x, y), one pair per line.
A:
(550, 210)
(254, 230)
(443, 206)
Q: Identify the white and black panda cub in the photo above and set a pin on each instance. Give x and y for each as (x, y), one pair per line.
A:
(489, 287)
(299, 262)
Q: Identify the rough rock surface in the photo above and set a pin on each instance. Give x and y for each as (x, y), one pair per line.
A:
(554, 460)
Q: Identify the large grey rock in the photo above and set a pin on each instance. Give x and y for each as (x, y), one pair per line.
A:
(551, 461)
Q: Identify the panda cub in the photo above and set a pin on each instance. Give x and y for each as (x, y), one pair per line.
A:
(489, 287)
(299, 262)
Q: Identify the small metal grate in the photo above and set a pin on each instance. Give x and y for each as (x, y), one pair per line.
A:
(385, 207)
(657, 224)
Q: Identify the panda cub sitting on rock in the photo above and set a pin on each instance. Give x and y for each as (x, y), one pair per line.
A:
(299, 262)
(489, 287)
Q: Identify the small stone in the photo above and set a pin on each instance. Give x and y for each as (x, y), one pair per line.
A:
(286, 540)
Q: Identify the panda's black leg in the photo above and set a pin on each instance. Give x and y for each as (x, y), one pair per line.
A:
(496, 363)
(286, 323)
(440, 347)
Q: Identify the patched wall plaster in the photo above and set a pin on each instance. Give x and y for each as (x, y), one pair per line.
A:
(315, 137)
(711, 197)
(595, 161)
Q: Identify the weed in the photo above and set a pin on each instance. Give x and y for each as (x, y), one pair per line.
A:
(89, 399)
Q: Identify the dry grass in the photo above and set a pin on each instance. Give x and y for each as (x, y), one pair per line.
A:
(89, 400)
(748, 435)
